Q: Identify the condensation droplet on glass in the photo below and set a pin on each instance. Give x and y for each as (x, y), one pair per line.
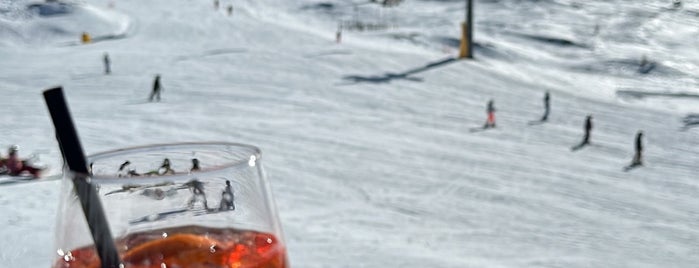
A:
(164, 235)
(68, 256)
(269, 240)
(252, 161)
(163, 265)
(60, 252)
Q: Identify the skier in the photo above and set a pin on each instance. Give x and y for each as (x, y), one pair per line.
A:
(107, 68)
(16, 166)
(165, 168)
(338, 34)
(227, 198)
(197, 188)
(157, 88)
(229, 9)
(195, 165)
(547, 106)
(588, 128)
(216, 4)
(124, 172)
(490, 123)
(638, 155)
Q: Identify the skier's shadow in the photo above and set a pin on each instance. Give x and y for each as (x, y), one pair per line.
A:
(578, 147)
(388, 77)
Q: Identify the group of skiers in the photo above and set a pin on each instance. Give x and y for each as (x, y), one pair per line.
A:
(199, 196)
(229, 8)
(165, 169)
(196, 186)
(157, 86)
(638, 144)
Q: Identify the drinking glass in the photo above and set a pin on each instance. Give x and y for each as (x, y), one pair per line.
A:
(176, 205)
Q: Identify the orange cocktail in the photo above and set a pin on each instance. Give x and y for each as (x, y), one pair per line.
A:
(189, 247)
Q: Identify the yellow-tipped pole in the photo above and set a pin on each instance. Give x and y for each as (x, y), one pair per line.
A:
(466, 47)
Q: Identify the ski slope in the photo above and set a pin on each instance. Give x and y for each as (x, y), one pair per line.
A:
(367, 143)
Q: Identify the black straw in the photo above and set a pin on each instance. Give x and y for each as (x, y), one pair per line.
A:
(74, 157)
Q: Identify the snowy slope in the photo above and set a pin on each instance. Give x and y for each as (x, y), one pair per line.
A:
(367, 143)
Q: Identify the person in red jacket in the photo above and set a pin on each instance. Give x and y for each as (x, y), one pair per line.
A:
(490, 110)
(16, 166)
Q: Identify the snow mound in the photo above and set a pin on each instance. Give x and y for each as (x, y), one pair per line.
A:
(58, 23)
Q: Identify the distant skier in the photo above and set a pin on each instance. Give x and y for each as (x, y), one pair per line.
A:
(195, 165)
(15, 166)
(107, 63)
(124, 171)
(216, 4)
(198, 194)
(638, 155)
(229, 9)
(490, 123)
(227, 198)
(588, 128)
(157, 88)
(547, 106)
(586, 138)
(338, 34)
(165, 168)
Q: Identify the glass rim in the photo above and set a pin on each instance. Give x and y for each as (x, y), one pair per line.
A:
(255, 151)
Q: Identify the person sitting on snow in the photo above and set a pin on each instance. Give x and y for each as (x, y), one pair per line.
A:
(16, 166)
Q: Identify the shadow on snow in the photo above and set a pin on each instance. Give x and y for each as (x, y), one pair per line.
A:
(387, 77)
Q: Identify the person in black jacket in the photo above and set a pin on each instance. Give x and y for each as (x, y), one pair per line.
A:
(547, 106)
(588, 128)
(157, 88)
(638, 155)
(107, 64)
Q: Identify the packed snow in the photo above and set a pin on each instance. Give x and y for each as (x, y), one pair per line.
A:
(368, 143)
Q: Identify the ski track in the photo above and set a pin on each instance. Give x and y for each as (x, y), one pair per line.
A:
(388, 174)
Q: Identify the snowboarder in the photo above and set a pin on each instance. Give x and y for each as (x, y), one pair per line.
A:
(638, 155)
(195, 165)
(588, 128)
(157, 88)
(547, 106)
(197, 188)
(107, 67)
(16, 166)
(227, 198)
(490, 123)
